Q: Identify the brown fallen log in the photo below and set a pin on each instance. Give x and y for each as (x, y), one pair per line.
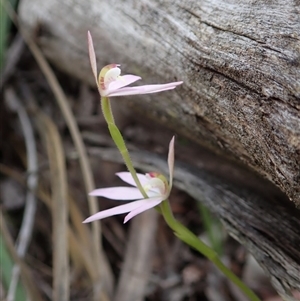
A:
(240, 63)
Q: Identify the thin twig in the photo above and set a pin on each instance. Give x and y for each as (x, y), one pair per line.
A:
(32, 180)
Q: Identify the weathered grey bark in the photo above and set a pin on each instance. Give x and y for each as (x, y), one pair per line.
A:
(240, 63)
(239, 60)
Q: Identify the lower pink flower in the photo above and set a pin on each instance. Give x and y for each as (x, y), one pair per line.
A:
(155, 185)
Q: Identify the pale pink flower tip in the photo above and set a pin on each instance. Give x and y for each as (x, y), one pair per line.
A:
(155, 185)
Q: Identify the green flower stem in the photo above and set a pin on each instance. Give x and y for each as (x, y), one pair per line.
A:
(192, 240)
(119, 141)
(180, 231)
(107, 111)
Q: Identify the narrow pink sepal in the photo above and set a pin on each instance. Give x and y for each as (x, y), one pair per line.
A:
(123, 81)
(149, 203)
(115, 211)
(118, 193)
(127, 177)
(171, 156)
(92, 56)
(147, 89)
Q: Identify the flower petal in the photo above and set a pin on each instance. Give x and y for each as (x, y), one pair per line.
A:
(127, 177)
(118, 193)
(92, 56)
(171, 161)
(147, 89)
(122, 81)
(115, 211)
(147, 204)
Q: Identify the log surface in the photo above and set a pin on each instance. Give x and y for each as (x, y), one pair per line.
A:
(239, 60)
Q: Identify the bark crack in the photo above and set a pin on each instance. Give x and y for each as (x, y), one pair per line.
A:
(263, 44)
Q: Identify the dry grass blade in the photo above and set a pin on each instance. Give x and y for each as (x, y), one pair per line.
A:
(33, 293)
(59, 207)
(137, 265)
(79, 240)
(30, 204)
(100, 261)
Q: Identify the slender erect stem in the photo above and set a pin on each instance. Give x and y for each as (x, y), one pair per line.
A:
(119, 141)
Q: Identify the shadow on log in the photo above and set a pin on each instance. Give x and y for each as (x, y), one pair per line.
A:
(240, 63)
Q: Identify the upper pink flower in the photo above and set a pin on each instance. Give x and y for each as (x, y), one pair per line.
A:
(111, 83)
(156, 186)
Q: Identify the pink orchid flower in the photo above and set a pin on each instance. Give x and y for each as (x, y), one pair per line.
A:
(156, 186)
(111, 83)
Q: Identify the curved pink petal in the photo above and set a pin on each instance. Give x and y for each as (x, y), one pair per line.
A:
(171, 161)
(123, 81)
(115, 211)
(147, 89)
(118, 193)
(147, 204)
(127, 177)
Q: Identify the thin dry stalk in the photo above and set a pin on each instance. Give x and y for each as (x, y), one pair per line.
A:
(59, 187)
(32, 179)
